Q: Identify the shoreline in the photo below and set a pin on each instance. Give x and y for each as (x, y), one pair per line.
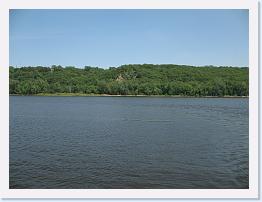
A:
(107, 95)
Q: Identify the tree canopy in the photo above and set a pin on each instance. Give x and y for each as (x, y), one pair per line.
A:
(133, 79)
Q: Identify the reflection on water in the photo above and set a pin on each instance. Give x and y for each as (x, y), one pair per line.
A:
(128, 142)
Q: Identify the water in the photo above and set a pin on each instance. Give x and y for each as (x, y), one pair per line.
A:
(128, 142)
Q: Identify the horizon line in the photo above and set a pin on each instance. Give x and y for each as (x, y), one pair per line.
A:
(108, 67)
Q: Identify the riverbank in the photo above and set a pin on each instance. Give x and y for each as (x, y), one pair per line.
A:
(107, 95)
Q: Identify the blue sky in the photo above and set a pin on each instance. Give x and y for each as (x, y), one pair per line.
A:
(106, 38)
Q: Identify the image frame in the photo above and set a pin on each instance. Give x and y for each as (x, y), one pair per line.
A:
(251, 193)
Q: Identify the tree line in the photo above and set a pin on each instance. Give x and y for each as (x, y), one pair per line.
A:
(135, 79)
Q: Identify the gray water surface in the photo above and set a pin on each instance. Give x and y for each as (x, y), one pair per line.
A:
(128, 142)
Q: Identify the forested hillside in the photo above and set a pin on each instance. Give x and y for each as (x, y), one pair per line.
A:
(146, 79)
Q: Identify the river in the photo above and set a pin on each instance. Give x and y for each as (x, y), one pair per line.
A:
(128, 143)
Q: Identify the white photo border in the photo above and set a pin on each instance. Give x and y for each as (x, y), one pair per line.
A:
(252, 192)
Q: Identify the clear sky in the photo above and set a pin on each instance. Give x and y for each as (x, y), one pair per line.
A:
(107, 38)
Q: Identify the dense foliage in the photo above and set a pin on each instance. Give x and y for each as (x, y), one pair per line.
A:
(146, 79)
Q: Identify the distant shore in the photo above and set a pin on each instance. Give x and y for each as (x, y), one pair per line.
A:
(107, 95)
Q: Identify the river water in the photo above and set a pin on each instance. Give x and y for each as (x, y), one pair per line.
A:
(128, 143)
